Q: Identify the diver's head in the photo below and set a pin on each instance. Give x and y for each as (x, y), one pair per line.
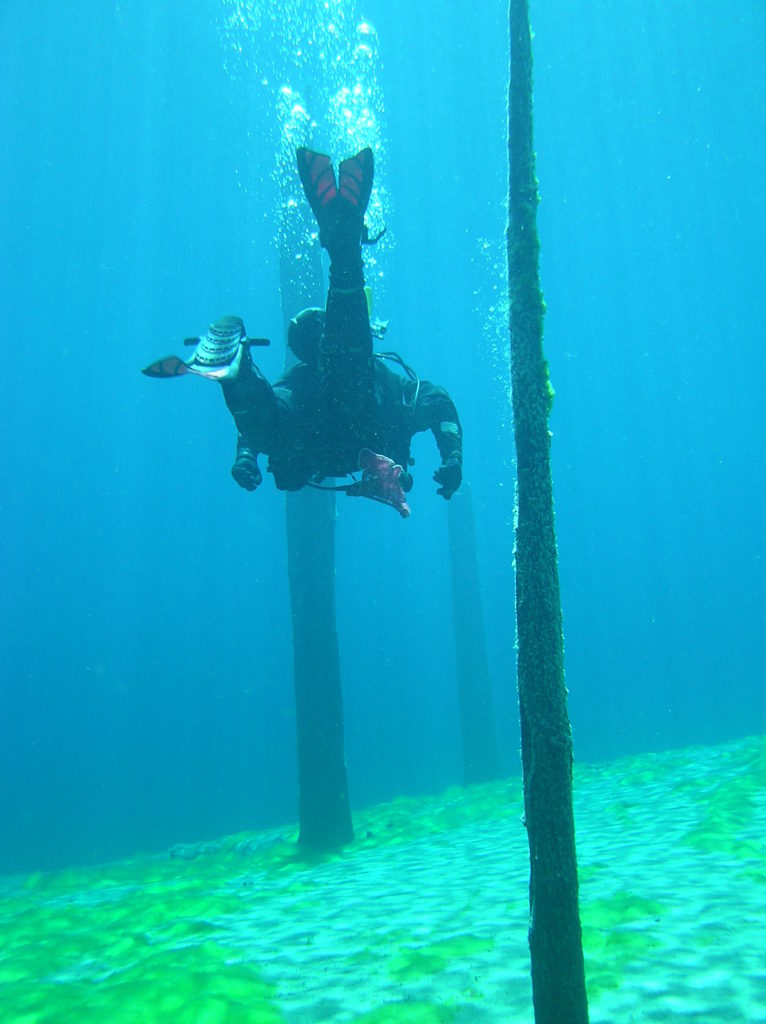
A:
(304, 333)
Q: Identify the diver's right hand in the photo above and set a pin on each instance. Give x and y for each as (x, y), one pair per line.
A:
(245, 470)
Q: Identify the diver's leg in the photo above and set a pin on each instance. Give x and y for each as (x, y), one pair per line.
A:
(345, 368)
(345, 351)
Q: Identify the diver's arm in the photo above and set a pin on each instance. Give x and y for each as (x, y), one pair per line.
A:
(435, 411)
(261, 411)
(254, 406)
(263, 414)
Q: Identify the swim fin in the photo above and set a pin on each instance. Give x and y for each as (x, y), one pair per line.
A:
(355, 179)
(318, 180)
(339, 208)
(380, 481)
(170, 366)
(173, 366)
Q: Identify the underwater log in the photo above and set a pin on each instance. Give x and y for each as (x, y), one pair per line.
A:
(477, 719)
(324, 809)
(555, 934)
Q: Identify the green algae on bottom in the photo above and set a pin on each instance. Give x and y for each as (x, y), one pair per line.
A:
(408, 1013)
(188, 986)
(244, 930)
(413, 962)
(619, 909)
(614, 936)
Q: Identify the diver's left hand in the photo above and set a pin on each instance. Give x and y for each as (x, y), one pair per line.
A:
(449, 476)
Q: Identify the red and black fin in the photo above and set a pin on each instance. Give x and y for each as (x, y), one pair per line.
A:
(355, 179)
(380, 481)
(318, 180)
(170, 366)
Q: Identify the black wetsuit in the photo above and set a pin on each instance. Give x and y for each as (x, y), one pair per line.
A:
(285, 422)
(315, 420)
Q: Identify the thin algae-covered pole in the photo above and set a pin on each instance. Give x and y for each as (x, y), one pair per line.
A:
(555, 938)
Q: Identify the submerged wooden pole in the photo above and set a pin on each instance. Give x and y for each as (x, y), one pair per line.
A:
(324, 809)
(555, 938)
(477, 718)
(323, 802)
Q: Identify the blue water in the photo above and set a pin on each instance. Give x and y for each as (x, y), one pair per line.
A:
(146, 693)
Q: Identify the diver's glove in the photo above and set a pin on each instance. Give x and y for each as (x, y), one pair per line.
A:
(245, 469)
(449, 476)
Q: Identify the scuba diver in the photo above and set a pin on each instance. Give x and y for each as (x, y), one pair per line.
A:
(340, 409)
